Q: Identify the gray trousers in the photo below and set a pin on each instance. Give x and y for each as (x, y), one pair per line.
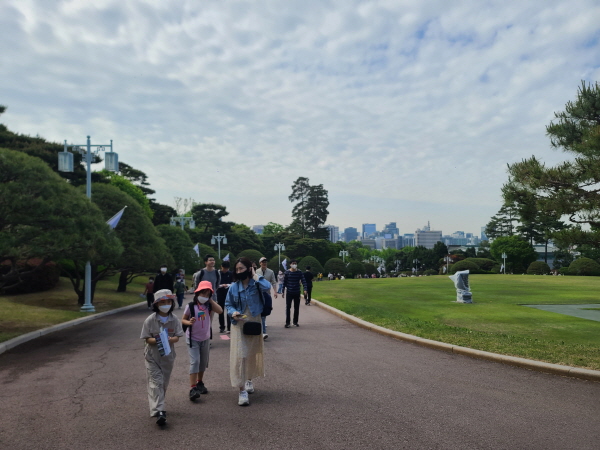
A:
(159, 375)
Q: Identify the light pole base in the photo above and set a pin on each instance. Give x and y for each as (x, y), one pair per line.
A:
(88, 308)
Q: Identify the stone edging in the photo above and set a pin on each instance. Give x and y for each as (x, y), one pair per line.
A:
(11, 343)
(556, 369)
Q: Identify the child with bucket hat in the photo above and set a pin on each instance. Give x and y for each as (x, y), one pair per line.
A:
(159, 360)
(196, 319)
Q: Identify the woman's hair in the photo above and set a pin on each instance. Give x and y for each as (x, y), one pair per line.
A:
(245, 261)
(155, 306)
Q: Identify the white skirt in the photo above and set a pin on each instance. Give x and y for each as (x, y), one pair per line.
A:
(245, 354)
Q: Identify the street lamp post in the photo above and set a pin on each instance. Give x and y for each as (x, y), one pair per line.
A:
(416, 265)
(219, 238)
(504, 258)
(279, 246)
(65, 164)
(182, 220)
(343, 254)
(397, 262)
(448, 259)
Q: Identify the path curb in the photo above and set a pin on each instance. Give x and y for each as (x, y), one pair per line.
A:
(539, 366)
(12, 343)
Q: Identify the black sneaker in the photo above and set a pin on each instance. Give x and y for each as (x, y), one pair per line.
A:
(296, 325)
(161, 418)
(194, 393)
(287, 325)
(221, 330)
(201, 388)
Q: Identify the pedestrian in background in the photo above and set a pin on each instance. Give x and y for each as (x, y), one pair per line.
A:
(291, 285)
(179, 290)
(226, 277)
(163, 280)
(270, 277)
(308, 276)
(149, 292)
(280, 277)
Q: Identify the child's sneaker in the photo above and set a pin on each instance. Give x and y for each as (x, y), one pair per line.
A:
(161, 418)
(194, 393)
(201, 388)
(249, 387)
(243, 400)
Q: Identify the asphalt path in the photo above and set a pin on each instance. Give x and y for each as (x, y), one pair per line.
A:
(329, 385)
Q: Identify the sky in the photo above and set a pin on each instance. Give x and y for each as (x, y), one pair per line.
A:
(405, 111)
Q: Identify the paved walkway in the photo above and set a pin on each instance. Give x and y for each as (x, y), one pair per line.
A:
(329, 385)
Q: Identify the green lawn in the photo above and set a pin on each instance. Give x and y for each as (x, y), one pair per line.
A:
(29, 312)
(495, 322)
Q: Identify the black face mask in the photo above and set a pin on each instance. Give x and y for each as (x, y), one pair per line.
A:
(242, 275)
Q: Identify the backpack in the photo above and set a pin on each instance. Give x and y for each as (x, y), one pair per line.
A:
(265, 299)
(192, 308)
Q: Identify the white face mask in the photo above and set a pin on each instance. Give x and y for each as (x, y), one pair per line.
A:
(164, 308)
(202, 299)
(293, 266)
(163, 270)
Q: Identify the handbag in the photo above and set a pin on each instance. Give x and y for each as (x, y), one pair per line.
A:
(252, 328)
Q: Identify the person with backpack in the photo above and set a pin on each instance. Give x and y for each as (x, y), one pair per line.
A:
(196, 321)
(245, 303)
(179, 290)
(208, 274)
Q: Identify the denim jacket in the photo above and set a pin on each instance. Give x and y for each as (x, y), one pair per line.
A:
(238, 297)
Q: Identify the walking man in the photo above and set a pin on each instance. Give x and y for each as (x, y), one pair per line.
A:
(270, 277)
(208, 274)
(226, 280)
(163, 280)
(291, 285)
(308, 276)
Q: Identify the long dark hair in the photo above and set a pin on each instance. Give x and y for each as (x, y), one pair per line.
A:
(246, 262)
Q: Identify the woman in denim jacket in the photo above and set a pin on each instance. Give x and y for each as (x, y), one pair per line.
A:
(244, 304)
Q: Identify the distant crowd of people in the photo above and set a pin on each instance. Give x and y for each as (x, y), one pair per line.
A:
(239, 299)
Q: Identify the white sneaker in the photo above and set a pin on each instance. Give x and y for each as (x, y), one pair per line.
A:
(249, 387)
(243, 399)
(265, 336)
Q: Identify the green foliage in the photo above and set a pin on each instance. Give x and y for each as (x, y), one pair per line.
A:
(272, 228)
(309, 261)
(130, 189)
(355, 268)
(430, 272)
(538, 268)
(42, 216)
(335, 266)
(484, 264)
(43, 279)
(465, 265)
(252, 255)
(584, 267)
(519, 253)
(208, 217)
(275, 265)
(370, 269)
(161, 214)
(564, 271)
(321, 249)
(180, 247)
(310, 213)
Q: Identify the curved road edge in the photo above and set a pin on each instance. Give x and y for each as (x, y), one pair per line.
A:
(11, 343)
(555, 369)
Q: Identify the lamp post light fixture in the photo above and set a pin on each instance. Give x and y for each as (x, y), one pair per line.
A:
(397, 262)
(504, 258)
(448, 260)
(219, 238)
(415, 265)
(343, 254)
(182, 221)
(279, 246)
(65, 164)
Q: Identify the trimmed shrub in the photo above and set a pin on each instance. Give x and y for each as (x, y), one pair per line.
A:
(334, 266)
(355, 268)
(464, 265)
(252, 255)
(584, 267)
(370, 269)
(538, 268)
(274, 265)
(430, 272)
(484, 264)
(315, 266)
(564, 271)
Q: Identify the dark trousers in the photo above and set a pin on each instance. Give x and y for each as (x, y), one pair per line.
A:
(150, 299)
(289, 296)
(180, 299)
(221, 302)
(307, 293)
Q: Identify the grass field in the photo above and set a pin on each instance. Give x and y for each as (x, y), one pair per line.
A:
(495, 322)
(25, 313)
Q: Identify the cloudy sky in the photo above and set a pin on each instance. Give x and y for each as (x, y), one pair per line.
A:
(405, 111)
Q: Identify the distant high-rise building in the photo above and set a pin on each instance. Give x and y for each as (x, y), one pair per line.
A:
(371, 243)
(350, 234)
(258, 229)
(483, 235)
(408, 240)
(392, 229)
(426, 237)
(334, 233)
(368, 229)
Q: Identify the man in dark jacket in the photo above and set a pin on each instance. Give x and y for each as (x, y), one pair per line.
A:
(308, 276)
(291, 286)
(163, 280)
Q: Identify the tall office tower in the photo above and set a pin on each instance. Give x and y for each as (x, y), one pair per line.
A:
(458, 234)
(350, 234)
(334, 233)
(368, 229)
(408, 240)
(483, 235)
(392, 229)
(258, 229)
(426, 237)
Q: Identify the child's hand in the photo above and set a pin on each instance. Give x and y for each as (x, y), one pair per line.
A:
(192, 319)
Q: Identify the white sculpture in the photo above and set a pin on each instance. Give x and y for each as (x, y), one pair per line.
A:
(461, 283)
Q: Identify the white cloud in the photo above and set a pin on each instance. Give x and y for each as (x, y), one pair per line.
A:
(404, 111)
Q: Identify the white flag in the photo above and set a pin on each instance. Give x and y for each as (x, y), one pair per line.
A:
(197, 249)
(226, 258)
(445, 267)
(379, 269)
(501, 268)
(284, 264)
(114, 220)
